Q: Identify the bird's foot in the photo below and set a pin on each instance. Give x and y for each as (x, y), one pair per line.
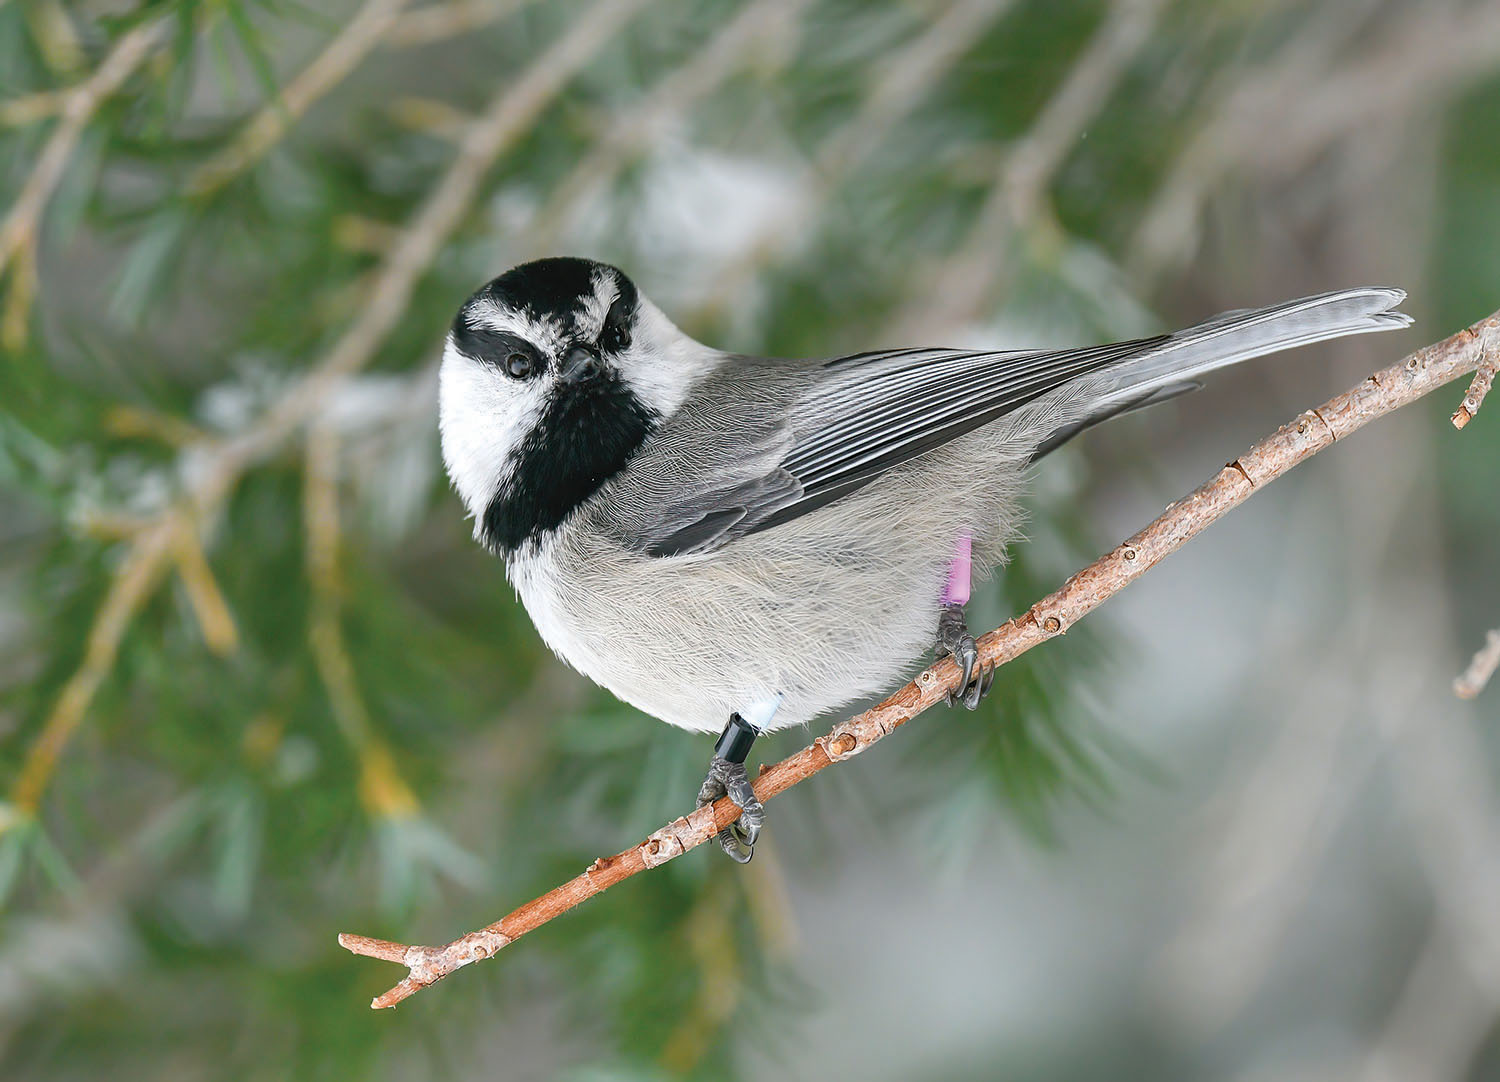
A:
(953, 638)
(727, 777)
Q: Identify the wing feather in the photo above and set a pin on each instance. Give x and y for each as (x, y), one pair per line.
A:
(827, 429)
(763, 442)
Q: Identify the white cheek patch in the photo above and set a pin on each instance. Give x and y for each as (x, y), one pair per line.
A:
(662, 364)
(482, 417)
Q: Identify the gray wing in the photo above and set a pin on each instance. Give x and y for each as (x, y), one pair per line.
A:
(873, 412)
(762, 443)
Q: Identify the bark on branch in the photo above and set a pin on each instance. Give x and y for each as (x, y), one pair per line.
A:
(1385, 391)
(1484, 377)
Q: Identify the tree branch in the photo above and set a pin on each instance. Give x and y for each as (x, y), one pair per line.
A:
(1385, 391)
(1484, 378)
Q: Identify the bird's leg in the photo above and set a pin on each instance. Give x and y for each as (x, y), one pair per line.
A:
(953, 630)
(726, 776)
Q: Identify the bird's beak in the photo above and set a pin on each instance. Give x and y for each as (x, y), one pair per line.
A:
(579, 365)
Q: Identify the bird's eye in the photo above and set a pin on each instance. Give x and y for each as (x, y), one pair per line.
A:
(616, 333)
(518, 365)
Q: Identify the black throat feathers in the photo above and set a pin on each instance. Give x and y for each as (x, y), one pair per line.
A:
(586, 435)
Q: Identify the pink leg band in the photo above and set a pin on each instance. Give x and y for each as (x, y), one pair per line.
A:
(960, 571)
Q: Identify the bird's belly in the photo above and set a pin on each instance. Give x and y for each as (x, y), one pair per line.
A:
(691, 642)
(816, 613)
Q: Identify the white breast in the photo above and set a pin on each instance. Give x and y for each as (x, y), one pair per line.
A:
(540, 584)
(829, 608)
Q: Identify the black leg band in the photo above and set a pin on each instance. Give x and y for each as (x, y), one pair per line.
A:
(734, 742)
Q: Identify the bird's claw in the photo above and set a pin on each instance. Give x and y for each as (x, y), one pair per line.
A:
(966, 653)
(975, 692)
(730, 779)
(954, 638)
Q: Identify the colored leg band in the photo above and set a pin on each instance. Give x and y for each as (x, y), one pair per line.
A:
(960, 571)
(734, 742)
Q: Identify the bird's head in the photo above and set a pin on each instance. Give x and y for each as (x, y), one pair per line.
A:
(553, 375)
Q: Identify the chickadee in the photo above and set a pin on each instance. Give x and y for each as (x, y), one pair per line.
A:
(743, 543)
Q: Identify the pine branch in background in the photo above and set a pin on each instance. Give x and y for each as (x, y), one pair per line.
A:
(55, 35)
(382, 789)
(1382, 393)
(219, 467)
(436, 22)
(334, 64)
(903, 82)
(1314, 99)
(759, 24)
(961, 286)
(22, 224)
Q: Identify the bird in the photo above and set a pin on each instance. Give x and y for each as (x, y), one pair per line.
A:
(737, 544)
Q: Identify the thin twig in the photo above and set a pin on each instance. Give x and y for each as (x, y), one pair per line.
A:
(21, 224)
(210, 609)
(382, 788)
(438, 21)
(29, 108)
(217, 468)
(1484, 379)
(76, 106)
(55, 35)
(131, 422)
(1481, 668)
(341, 56)
(1385, 391)
(134, 581)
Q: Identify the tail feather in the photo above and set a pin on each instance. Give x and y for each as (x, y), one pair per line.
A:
(1224, 340)
(1233, 337)
(1152, 397)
